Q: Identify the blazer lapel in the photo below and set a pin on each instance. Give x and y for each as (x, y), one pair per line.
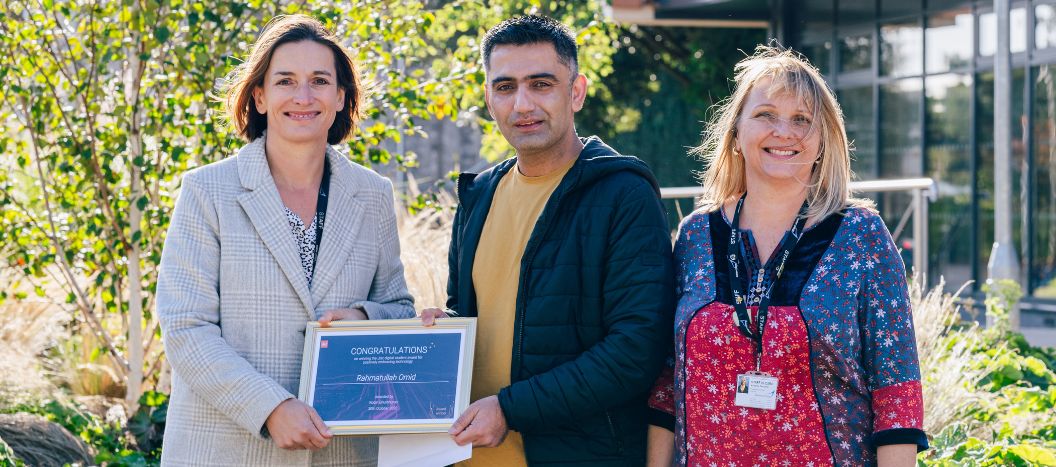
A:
(344, 215)
(264, 208)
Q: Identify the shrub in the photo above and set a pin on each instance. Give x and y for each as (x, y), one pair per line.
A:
(990, 397)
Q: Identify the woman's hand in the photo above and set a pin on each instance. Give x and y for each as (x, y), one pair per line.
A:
(430, 315)
(295, 425)
(341, 314)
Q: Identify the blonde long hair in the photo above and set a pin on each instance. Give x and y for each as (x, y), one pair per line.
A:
(724, 177)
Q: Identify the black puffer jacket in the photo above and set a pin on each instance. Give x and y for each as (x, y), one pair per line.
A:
(594, 307)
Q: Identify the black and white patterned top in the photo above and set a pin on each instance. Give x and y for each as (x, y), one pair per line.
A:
(305, 241)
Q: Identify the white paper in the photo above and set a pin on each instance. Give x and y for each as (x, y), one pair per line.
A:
(420, 450)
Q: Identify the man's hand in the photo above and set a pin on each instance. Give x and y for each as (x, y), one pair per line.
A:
(430, 315)
(482, 424)
(295, 425)
(340, 314)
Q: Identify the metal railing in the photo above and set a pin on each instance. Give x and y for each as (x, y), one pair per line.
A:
(922, 190)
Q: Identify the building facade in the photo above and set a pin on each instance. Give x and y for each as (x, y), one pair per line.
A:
(916, 82)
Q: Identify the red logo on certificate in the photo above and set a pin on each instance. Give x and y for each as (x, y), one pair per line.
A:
(324, 344)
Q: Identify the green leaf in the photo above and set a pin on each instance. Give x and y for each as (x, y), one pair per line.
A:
(1036, 455)
(162, 34)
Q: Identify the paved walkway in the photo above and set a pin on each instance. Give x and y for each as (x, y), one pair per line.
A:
(1040, 337)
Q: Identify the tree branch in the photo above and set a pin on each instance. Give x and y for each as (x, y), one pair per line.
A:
(61, 256)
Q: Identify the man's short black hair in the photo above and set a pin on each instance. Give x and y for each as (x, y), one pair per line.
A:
(533, 29)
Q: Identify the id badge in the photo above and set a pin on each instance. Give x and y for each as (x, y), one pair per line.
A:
(756, 390)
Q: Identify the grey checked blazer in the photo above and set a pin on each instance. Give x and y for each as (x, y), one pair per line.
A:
(233, 303)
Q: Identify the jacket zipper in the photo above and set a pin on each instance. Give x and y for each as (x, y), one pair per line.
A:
(615, 437)
(522, 292)
(523, 285)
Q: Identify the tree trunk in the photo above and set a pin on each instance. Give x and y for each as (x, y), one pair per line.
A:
(135, 290)
(134, 346)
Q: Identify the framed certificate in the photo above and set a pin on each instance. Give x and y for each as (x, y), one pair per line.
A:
(388, 376)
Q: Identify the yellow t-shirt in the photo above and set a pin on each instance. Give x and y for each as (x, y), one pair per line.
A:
(518, 202)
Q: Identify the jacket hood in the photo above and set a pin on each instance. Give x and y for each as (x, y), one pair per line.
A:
(596, 161)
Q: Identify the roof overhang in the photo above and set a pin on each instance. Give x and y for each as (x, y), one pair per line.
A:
(692, 13)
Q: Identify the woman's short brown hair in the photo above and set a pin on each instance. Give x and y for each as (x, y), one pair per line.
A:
(238, 94)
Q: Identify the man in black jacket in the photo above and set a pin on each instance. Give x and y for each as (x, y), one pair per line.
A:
(564, 255)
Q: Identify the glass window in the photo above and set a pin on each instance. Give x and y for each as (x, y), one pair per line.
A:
(818, 53)
(948, 40)
(948, 100)
(817, 33)
(1043, 243)
(1044, 26)
(856, 52)
(849, 13)
(858, 113)
(896, 8)
(900, 140)
(900, 129)
(817, 15)
(1017, 19)
(984, 196)
(936, 5)
(901, 45)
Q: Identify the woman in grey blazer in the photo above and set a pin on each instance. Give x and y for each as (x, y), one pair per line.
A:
(246, 263)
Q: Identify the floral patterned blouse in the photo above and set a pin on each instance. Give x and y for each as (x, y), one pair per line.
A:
(305, 238)
(839, 339)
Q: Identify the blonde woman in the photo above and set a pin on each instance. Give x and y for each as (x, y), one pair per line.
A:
(780, 246)
(285, 232)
